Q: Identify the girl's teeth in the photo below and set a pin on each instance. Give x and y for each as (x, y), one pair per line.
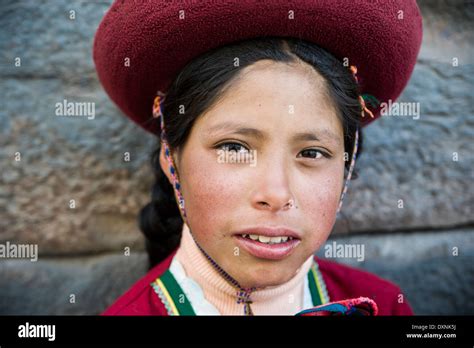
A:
(266, 239)
(275, 239)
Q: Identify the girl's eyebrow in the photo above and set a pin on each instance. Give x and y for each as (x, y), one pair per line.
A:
(316, 135)
(237, 128)
(242, 129)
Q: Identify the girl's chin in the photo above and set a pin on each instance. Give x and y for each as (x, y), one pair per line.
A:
(269, 278)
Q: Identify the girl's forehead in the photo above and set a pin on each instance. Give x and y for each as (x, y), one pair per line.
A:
(281, 75)
(287, 97)
(278, 86)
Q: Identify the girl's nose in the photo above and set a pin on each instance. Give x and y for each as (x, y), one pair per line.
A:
(271, 189)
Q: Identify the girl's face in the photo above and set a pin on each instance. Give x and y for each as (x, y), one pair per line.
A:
(273, 138)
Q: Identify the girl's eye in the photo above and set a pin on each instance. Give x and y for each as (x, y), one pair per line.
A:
(313, 154)
(236, 147)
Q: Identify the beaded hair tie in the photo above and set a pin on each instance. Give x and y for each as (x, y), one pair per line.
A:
(351, 169)
(365, 110)
(353, 69)
(158, 113)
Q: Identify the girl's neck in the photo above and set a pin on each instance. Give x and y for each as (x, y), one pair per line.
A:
(286, 298)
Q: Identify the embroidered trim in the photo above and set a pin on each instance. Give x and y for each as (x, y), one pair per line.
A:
(323, 292)
(164, 297)
(177, 301)
(361, 306)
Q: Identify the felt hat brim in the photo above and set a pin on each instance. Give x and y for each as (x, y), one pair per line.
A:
(140, 47)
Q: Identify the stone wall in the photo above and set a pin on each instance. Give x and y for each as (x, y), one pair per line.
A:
(64, 158)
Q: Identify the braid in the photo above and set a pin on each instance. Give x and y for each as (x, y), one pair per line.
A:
(160, 220)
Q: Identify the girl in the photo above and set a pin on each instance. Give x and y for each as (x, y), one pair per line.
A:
(258, 138)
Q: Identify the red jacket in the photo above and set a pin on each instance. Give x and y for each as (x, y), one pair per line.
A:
(342, 282)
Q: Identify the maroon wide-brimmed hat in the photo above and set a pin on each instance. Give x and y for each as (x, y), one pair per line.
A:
(141, 46)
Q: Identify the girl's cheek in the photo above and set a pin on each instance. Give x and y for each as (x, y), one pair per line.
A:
(210, 190)
(320, 206)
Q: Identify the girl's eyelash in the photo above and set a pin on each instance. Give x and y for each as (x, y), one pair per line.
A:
(222, 145)
(325, 154)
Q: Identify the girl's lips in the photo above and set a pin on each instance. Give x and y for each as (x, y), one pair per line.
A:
(267, 251)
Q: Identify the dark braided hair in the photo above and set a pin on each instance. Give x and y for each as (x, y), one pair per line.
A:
(200, 84)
